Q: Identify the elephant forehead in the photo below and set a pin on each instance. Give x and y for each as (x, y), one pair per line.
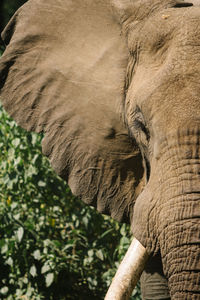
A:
(166, 77)
(164, 31)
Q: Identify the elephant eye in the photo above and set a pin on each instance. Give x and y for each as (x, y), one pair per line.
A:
(147, 168)
(140, 126)
(183, 4)
(142, 135)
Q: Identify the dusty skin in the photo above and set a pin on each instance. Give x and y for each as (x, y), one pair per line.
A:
(115, 88)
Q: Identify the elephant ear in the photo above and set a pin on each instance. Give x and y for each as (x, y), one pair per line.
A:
(63, 74)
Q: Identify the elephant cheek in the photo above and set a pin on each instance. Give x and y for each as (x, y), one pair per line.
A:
(140, 221)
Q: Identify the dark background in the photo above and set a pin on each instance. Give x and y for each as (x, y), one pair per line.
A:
(7, 9)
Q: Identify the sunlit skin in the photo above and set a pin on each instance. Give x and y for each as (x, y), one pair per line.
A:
(114, 87)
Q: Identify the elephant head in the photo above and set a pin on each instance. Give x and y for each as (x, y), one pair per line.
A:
(114, 87)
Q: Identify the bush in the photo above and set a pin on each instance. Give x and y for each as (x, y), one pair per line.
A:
(52, 245)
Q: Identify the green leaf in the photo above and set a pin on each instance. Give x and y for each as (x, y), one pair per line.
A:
(13, 205)
(106, 233)
(9, 261)
(11, 153)
(37, 254)
(34, 138)
(4, 290)
(16, 142)
(123, 230)
(4, 249)
(85, 221)
(41, 183)
(16, 216)
(45, 269)
(33, 271)
(31, 171)
(91, 253)
(17, 161)
(100, 255)
(49, 279)
(20, 233)
(124, 241)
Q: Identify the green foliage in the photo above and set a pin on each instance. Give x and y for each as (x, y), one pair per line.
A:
(7, 9)
(1, 50)
(52, 246)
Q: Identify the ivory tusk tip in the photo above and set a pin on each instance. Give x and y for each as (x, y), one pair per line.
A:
(128, 273)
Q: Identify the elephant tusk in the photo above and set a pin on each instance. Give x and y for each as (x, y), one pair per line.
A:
(128, 273)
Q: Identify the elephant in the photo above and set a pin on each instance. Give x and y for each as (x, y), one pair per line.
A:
(114, 86)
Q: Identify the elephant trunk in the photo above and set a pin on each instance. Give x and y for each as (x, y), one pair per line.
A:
(177, 215)
(171, 222)
(180, 248)
(183, 270)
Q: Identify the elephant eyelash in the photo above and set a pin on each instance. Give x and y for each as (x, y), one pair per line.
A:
(148, 168)
(139, 125)
(182, 4)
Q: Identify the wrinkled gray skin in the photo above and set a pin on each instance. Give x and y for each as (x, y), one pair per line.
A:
(115, 87)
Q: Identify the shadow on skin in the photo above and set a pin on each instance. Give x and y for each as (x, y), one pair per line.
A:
(153, 282)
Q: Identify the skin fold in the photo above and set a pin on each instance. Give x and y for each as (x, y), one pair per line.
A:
(115, 88)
